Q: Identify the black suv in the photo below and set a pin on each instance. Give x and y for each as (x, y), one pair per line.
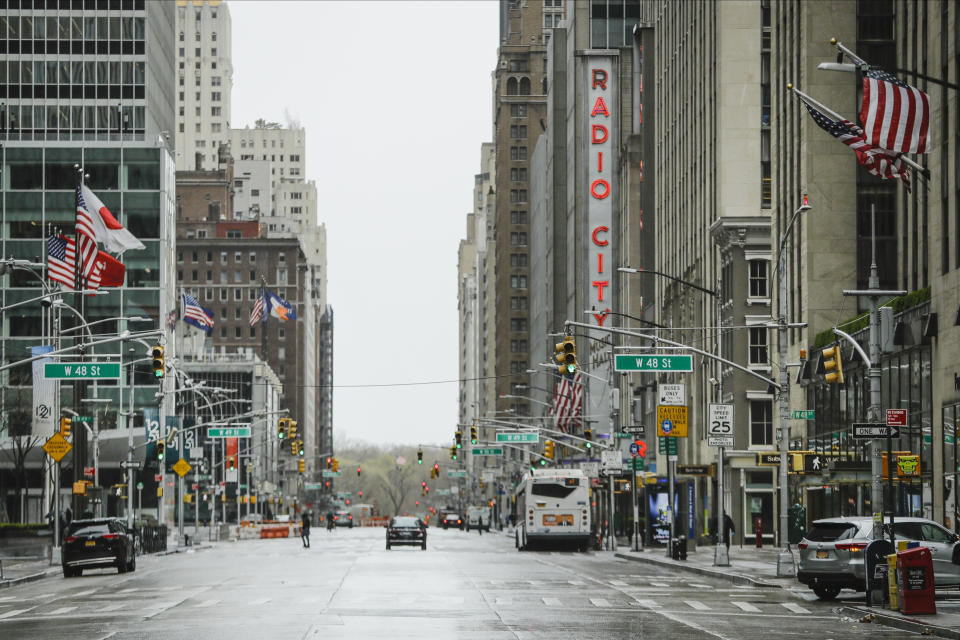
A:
(100, 542)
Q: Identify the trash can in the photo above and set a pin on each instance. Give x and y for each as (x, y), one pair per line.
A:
(678, 548)
(797, 523)
(915, 581)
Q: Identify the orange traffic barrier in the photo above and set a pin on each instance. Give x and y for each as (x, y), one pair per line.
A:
(275, 532)
(377, 521)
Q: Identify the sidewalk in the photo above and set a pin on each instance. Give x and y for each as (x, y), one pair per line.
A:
(758, 567)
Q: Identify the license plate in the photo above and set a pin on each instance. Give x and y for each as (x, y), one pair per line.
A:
(90, 543)
(822, 554)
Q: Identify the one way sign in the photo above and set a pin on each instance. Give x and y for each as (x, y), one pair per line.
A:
(875, 430)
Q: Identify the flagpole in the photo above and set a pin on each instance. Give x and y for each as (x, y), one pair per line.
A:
(264, 311)
(79, 386)
(836, 116)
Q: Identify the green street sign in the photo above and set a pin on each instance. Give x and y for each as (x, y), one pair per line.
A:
(638, 463)
(81, 370)
(331, 474)
(229, 432)
(523, 436)
(680, 362)
(313, 486)
(803, 414)
(456, 474)
(490, 451)
(83, 418)
(667, 445)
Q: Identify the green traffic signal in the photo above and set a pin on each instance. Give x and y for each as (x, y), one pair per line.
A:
(543, 462)
(571, 368)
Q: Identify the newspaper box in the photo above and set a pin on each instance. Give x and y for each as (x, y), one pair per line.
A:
(915, 581)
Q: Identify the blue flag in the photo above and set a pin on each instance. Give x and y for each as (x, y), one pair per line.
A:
(280, 308)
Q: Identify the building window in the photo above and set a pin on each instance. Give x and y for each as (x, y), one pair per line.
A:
(518, 324)
(518, 346)
(216, 111)
(518, 65)
(236, 332)
(223, 295)
(518, 238)
(518, 259)
(194, 257)
(761, 422)
(518, 111)
(518, 174)
(518, 195)
(208, 295)
(758, 279)
(758, 346)
(237, 294)
(237, 256)
(518, 282)
(223, 331)
(518, 303)
(518, 153)
(215, 96)
(518, 131)
(518, 217)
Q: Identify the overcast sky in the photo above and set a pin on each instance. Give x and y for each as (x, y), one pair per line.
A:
(395, 98)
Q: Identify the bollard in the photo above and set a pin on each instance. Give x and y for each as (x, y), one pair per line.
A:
(682, 548)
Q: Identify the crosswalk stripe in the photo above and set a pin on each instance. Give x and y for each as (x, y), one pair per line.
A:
(659, 584)
(15, 612)
(745, 606)
(504, 600)
(5, 598)
(207, 603)
(794, 607)
(650, 604)
(61, 610)
(577, 583)
(124, 591)
(551, 602)
(600, 602)
(111, 607)
(696, 604)
(699, 586)
(619, 583)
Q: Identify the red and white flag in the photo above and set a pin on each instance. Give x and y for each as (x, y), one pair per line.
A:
(567, 407)
(895, 116)
(256, 315)
(61, 256)
(106, 229)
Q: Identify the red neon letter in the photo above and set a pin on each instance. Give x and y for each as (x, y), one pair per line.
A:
(599, 79)
(599, 263)
(598, 134)
(600, 162)
(601, 317)
(599, 107)
(597, 241)
(600, 284)
(600, 183)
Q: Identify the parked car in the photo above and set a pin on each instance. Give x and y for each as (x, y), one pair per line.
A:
(407, 530)
(343, 519)
(452, 520)
(832, 554)
(100, 542)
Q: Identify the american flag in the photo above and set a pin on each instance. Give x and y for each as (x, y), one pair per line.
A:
(87, 237)
(879, 162)
(257, 314)
(61, 254)
(193, 311)
(567, 407)
(895, 116)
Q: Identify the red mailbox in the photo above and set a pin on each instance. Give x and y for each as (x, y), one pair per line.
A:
(915, 581)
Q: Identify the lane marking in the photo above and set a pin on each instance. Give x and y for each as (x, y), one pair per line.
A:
(121, 592)
(659, 584)
(551, 602)
(112, 607)
(60, 611)
(794, 607)
(5, 598)
(745, 606)
(577, 583)
(619, 583)
(699, 586)
(600, 602)
(207, 603)
(696, 604)
(650, 604)
(15, 612)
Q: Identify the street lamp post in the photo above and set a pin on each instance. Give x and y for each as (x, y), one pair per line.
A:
(785, 566)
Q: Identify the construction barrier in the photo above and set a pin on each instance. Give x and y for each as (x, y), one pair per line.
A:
(377, 521)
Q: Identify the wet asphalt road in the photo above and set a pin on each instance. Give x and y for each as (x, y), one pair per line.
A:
(464, 586)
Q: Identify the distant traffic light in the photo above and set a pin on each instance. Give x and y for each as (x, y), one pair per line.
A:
(453, 453)
(161, 445)
(419, 456)
(459, 437)
(300, 449)
(301, 465)
(329, 462)
(336, 464)
(358, 472)
(436, 470)
(293, 447)
(833, 364)
(159, 361)
(65, 426)
(291, 428)
(566, 356)
(231, 463)
(588, 436)
(548, 449)
(359, 494)
(281, 428)
(473, 435)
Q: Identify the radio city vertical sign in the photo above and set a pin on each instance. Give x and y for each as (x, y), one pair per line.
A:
(601, 134)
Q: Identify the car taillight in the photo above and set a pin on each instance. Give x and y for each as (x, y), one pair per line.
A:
(802, 545)
(70, 539)
(335, 517)
(458, 522)
(110, 536)
(350, 517)
(852, 546)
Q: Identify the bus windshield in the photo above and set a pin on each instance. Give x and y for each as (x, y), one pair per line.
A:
(551, 490)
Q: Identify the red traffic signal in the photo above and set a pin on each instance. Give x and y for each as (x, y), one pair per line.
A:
(358, 472)
(360, 494)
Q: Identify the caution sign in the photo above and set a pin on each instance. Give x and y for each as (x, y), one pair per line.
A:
(57, 447)
(672, 421)
(182, 467)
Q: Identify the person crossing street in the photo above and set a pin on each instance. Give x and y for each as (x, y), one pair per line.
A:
(305, 529)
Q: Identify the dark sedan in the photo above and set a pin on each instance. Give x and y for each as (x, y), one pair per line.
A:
(406, 530)
(452, 520)
(102, 542)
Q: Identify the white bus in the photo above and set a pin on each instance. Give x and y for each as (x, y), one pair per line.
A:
(553, 507)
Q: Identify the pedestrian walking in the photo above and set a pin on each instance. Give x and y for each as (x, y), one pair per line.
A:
(728, 529)
(329, 520)
(305, 529)
(480, 525)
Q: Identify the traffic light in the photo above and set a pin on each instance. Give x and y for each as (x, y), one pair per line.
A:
(159, 362)
(833, 364)
(293, 447)
(419, 456)
(231, 463)
(291, 428)
(65, 425)
(588, 436)
(301, 465)
(161, 445)
(300, 449)
(459, 437)
(336, 464)
(329, 462)
(473, 435)
(453, 453)
(359, 494)
(358, 472)
(281, 428)
(436, 470)
(548, 449)
(566, 357)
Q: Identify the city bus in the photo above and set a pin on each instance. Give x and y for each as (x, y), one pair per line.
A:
(553, 508)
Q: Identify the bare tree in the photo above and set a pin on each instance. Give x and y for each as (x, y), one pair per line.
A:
(396, 483)
(21, 443)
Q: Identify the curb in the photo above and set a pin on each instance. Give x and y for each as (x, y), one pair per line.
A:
(904, 624)
(735, 578)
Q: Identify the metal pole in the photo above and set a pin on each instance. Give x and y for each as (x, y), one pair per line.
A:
(196, 502)
(610, 528)
(633, 502)
(721, 556)
(96, 456)
(180, 491)
(130, 444)
(873, 412)
(785, 566)
(671, 516)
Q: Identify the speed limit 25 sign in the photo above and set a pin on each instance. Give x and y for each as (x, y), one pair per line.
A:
(721, 420)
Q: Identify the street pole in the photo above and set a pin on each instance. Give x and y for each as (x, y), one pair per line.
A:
(670, 511)
(612, 544)
(633, 502)
(721, 556)
(876, 464)
(130, 444)
(180, 488)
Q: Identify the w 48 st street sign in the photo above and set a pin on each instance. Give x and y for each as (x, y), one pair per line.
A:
(653, 362)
